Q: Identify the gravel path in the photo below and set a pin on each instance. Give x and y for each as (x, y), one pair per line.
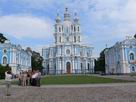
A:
(73, 93)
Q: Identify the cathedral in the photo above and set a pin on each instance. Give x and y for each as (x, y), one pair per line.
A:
(67, 55)
(121, 58)
(15, 57)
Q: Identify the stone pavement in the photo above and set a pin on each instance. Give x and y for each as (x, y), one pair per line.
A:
(125, 92)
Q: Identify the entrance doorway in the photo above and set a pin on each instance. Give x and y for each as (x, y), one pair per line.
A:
(68, 68)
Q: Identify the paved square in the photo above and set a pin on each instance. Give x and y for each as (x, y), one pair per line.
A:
(72, 93)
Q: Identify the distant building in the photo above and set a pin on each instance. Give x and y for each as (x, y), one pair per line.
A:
(67, 55)
(14, 56)
(121, 58)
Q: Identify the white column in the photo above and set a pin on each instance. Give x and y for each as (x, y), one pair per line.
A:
(63, 64)
(86, 65)
(14, 57)
(10, 56)
(123, 62)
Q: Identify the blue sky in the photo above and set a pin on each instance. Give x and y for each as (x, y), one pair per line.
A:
(30, 22)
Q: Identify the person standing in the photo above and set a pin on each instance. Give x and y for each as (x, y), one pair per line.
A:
(38, 78)
(34, 78)
(8, 79)
(24, 78)
(28, 78)
(20, 79)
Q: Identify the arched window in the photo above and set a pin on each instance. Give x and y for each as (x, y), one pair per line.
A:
(131, 56)
(55, 39)
(74, 39)
(55, 29)
(88, 66)
(133, 68)
(81, 67)
(48, 68)
(4, 60)
(59, 29)
(54, 68)
(71, 27)
(74, 28)
(4, 51)
(79, 38)
(62, 28)
(67, 38)
(78, 29)
(67, 29)
(60, 39)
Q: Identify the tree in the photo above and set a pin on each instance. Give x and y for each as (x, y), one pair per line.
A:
(100, 62)
(3, 69)
(2, 38)
(36, 61)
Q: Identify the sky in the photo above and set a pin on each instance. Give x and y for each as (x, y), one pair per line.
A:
(103, 22)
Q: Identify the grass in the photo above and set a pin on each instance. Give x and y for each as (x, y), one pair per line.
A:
(133, 74)
(77, 79)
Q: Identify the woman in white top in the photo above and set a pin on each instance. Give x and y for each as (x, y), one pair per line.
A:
(8, 79)
(24, 78)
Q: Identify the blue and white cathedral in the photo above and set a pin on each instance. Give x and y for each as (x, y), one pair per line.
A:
(14, 56)
(121, 58)
(67, 54)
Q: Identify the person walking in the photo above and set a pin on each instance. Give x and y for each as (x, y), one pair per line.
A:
(8, 79)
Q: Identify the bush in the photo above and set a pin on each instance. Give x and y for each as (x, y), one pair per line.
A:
(3, 69)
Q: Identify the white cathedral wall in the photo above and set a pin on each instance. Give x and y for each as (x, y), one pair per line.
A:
(74, 50)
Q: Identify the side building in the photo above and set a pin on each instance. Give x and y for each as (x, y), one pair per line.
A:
(121, 58)
(67, 55)
(15, 57)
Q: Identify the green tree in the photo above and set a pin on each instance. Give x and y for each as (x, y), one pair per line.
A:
(36, 61)
(3, 69)
(2, 38)
(100, 62)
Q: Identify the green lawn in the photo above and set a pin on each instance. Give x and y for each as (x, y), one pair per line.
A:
(77, 79)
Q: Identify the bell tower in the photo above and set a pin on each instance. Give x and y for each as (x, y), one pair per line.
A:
(58, 30)
(67, 30)
(76, 29)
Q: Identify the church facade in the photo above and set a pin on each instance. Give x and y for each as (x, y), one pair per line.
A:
(67, 54)
(121, 58)
(15, 57)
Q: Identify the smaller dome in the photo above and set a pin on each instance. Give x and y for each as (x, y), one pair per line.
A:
(76, 18)
(58, 19)
(66, 15)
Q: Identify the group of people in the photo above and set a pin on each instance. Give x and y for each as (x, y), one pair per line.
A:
(29, 78)
(26, 78)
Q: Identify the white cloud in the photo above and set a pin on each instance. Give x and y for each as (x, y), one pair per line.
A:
(112, 17)
(103, 21)
(26, 26)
